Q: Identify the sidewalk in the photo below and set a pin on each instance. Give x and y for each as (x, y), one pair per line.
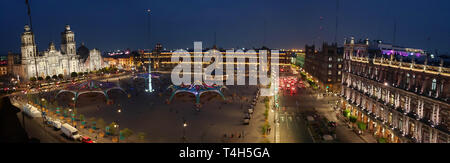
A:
(83, 132)
(344, 131)
(253, 132)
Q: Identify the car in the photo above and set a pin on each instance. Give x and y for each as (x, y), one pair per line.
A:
(246, 121)
(86, 139)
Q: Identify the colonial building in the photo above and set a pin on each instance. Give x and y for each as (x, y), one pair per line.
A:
(398, 101)
(161, 59)
(325, 65)
(52, 61)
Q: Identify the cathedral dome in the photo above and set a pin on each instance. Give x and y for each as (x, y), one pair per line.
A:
(51, 46)
(83, 51)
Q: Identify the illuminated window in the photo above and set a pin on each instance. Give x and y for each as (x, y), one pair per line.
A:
(329, 72)
(339, 72)
(330, 59)
(330, 65)
(339, 66)
(433, 85)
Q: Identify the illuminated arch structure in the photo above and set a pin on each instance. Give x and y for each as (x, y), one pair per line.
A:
(91, 86)
(196, 90)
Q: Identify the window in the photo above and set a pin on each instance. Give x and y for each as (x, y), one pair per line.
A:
(407, 79)
(339, 66)
(433, 85)
(329, 80)
(330, 59)
(339, 72)
(330, 65)
(329, 72)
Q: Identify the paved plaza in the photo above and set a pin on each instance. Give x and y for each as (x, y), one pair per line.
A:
(162, 122)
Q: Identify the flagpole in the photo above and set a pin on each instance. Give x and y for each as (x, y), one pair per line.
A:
(31, 27)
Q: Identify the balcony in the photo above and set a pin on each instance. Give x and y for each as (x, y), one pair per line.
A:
(413, 115)
(443, 128)
(427, 121)
(414, 90)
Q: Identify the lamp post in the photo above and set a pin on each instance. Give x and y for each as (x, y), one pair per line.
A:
(42, 110)
(117, 124)
(184, 131)
(70, 113)
(74, 107)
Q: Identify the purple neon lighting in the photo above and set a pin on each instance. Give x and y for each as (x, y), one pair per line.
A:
(402, 53)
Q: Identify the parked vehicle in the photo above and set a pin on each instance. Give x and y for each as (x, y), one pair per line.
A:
(56, 124)
(31, 111)
(246, 121)
(86, 139)
(70, 131)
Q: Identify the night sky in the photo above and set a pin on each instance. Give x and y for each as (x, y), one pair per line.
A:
(120, 24)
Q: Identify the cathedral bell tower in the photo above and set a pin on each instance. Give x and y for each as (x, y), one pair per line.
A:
(68, 41)
(28, 47)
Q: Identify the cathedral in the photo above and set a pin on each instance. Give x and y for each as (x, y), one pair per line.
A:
(55, 62)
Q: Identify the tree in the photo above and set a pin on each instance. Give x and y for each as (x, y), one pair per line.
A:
(33, 79)
(61, 76)
(81, 117)
(346, 113)
(47, 78)
(113, 128)
(101, 123)
(126, 133)
(141, 136)
(40, 78)
(362, 126)
(93, 122)
(353, 119)
(73, 74)
(80, 74)
(54, 77)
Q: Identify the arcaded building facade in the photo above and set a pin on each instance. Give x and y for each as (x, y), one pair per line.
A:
(399, 101)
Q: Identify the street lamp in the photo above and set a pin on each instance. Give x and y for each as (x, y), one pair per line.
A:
(118, 129)
(42, 110)
(184, 131)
